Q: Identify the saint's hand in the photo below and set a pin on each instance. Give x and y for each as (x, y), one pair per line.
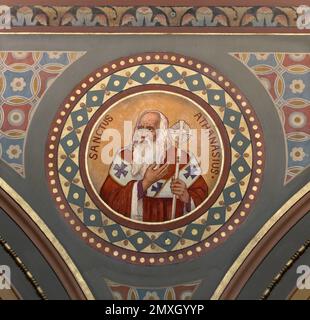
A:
(153, 174)
(178, 187)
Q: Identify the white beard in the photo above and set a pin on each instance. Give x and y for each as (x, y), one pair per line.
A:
(147, 151)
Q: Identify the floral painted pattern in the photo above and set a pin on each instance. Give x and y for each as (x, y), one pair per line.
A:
(286, 77)
(24, 78)
(18, 84)
(297, 154)
(297, 86)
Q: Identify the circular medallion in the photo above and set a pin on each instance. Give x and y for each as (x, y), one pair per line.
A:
(155, 158)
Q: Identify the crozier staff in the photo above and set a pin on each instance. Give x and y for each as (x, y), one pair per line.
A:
(141, 183)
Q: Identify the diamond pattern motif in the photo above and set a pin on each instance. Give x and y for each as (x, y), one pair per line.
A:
(79, 118)
(240, 143)
(94, 98)
(92, 217)
(115, 233)
(232, 118)
(68, 169)
(216, 97)
(216, 216)
(195, 82)
(117, 83)
(70, 142)
(76, 195)
(194, 232)
(240, 169)
(169, 75)
(140, 240)
(167, 240)
(232, 194)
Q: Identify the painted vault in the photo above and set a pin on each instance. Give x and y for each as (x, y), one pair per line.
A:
(229, 222)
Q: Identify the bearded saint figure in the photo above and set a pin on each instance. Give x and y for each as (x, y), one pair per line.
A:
(141, 181)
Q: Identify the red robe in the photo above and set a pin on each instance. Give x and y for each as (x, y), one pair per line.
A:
(155, 209)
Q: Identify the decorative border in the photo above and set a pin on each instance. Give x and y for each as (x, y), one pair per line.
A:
(102, 80)
(24, 269)
(282, 272)
(153, 17)
(25, 77)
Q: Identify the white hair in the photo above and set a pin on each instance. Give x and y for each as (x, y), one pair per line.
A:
(163, 130)
(150, 152)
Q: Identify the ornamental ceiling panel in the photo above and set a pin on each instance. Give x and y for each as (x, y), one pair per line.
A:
(154, 151)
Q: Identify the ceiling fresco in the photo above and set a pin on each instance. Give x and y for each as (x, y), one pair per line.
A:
(154, 151)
